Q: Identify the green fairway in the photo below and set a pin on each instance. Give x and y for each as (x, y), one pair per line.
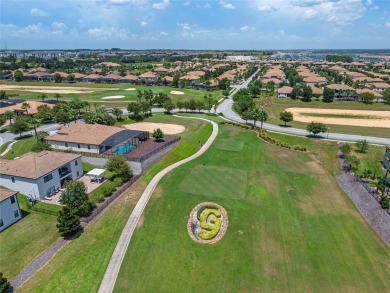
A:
(207, 180)
(95, 92)
(26, 239)
(281, 104)
(230, 145)
(80, 266)
(294, 231)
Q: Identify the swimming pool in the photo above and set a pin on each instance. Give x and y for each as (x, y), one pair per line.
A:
(124, 149)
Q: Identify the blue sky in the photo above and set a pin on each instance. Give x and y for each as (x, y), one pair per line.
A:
(218, 24)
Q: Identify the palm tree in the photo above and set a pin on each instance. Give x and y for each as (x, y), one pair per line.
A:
(57, 96)
(35, 122)
(259, 115)
(9, 115)
(43, 97)
(26, 106)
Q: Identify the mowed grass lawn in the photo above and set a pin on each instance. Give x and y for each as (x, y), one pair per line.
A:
(292, 231)
(104, 90)
(25, 240)
(281, 104)
(80, 265)
(21, 147)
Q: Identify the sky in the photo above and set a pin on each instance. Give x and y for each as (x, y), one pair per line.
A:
(208, 25)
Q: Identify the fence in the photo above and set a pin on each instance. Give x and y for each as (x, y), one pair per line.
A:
(109, 200)
(370, 190)
(143, 158)
(42, 210)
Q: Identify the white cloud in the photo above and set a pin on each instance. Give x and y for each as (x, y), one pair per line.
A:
(124, 2)
(163, 34)
(247, 28)
(109, 33)
(58, 26)
(161, 5)
(339, 12)
(266, 8)
(369, 2)
(143, 24)
(184, 26)
(387, 24)
(225, 5)
(187, 3)
(38, 12)
(204, 6)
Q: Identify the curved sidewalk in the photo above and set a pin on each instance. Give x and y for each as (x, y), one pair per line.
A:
(111, 274)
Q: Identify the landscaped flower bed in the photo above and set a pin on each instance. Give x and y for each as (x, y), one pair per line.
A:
(207, 223)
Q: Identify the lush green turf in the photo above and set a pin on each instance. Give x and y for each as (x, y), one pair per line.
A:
(26, 239)
(4, 146)
(206, 179)
(372, 160)
(21, 147)
(80, 266)
(295, 231)
(281, 104)
(104, 90)
(230, 145)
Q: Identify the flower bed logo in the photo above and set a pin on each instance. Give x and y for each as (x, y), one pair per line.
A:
(207, 223)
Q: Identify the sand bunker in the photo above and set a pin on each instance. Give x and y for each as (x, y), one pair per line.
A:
(176, 93)
(357, 117)
(112, 97)
(131, 89)
(47, 89)
(150, 127)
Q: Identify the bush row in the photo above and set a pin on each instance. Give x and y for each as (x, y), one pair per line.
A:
(263, 135)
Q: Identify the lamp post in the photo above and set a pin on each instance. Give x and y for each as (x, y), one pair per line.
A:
(327, 136)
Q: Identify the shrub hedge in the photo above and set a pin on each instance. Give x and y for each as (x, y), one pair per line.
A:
(263, 135)
(207, 231)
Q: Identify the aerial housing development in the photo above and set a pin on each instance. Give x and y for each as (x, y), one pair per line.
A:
(147, 145)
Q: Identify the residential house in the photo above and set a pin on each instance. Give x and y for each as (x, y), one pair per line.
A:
(17, 108)
(92, 78)
(92, 138)
(148, 77)
(285, 92)
(9, 208)
(128, 78)
(39, 174)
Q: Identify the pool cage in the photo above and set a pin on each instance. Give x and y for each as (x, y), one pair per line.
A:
(129, 144)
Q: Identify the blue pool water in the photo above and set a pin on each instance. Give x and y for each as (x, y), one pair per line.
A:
(124, 149)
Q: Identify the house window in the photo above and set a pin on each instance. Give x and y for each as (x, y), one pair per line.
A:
(66, 144)
(78, 145)
(16, 213)
(13, 179)
(47, 178)
(78, 173)
(76, 163)
(1, 223)
(89, 147)
(13, 199)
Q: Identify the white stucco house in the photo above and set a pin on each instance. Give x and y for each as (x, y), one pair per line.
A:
(39, 174)
(9, 208)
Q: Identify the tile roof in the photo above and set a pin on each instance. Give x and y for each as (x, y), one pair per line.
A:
(6, 193)
(35, 165)
(93, 134)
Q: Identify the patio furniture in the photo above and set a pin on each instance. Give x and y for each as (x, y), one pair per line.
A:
(96, 175)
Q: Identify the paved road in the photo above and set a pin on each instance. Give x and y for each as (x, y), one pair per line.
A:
(111, 274)
(226, 109)
(7, 136)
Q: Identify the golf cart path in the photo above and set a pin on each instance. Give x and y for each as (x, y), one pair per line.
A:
(9, 147)
(111, 274)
